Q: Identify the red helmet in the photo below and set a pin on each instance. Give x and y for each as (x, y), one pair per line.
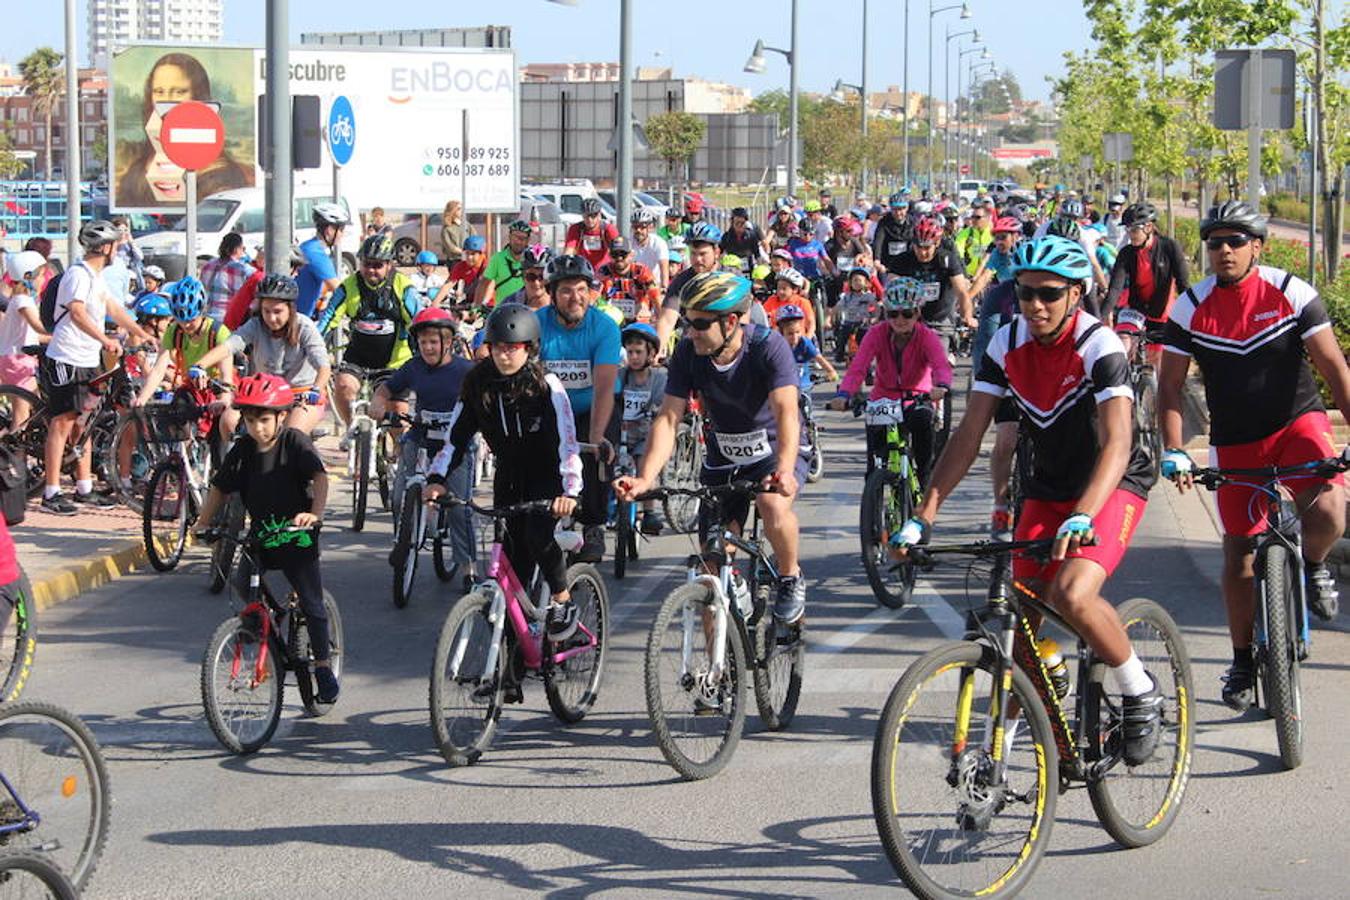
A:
(431, 317)
(848, 225)
(264, 391)
(1007, 223)
(927, 231)
(693, 206)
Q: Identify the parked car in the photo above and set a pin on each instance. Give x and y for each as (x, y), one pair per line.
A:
(640, 198)
(567, 195)
(969, 188)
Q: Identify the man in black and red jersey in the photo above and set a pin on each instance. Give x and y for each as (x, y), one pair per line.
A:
(591, 236)
(1088, 483)
(1149, 273)
(628, 284)
(1248, 327)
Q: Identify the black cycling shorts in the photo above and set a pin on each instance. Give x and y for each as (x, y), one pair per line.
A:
(376, 377)
(66, 386)
(736, 508)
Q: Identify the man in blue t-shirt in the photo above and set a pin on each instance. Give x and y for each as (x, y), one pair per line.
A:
(318, 277)
(581, 345)
(746, 378)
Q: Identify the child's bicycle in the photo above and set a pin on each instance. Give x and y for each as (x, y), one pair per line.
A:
(246, 661)
(372, 454)
(709, 633)
(980, 736)
(481, 663)
(410, 526)
(626, 531)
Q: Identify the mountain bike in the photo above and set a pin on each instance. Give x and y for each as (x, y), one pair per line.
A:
(1144, 383)
(372, 449)
(1283, 635)
(246, 660)
(18, 637)
(25, 873)
(890, 495)
(976, 743)
(682, 470)
(481, 663)
(709, 633)
(55, 796)
(410, 528)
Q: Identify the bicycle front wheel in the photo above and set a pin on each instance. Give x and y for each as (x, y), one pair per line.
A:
(682, 472)
(18, 639)
(231, 519)
(241, 687)
(573, 685)
(886, 504)
(411, 525)
(438, 550)
(30, 873)
(54, 770)
(816, 469)
(465, 697)
(1137, 805)
(950, 825)
(164, 518)
(1146, 416)
(360, 473)
(623, 533)
(129, 486)
(697, 708)
(1278, 663)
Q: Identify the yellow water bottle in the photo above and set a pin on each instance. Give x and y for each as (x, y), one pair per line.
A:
(1055, 665)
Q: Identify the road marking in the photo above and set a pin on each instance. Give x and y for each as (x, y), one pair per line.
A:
(844, 638)
(951, 623)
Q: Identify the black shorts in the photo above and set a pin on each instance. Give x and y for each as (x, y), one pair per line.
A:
(66, 386)
(1006, 412)
(736, 508)
(376, 377)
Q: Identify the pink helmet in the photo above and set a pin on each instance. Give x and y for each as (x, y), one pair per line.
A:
(927, 231)
(1007, 224)
(848, 225)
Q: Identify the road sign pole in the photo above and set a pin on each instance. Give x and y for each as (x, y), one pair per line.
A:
(190, 182)
(73, 142)
(277, 190)
(463, 166)
(1254, 128)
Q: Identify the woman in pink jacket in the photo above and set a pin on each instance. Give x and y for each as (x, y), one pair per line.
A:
(910, 358)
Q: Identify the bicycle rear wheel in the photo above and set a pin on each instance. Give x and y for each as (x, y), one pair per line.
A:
(623, 532)
(55, 769)
(886, 504)
(465, 698)
(443, 572)
(412, 522)
(573, 685)
(1277, 661)
(31, 873)
(360, 474)
(697, 713)
(1146, 416)
(386, 456)
(1137, 805)
(164, 518)
(25, 433)
(777, 675)
(231, 519)
(303, 658)
(682, 472)
(949, 829)
(816, 468)
(18, 639)
(241, 687)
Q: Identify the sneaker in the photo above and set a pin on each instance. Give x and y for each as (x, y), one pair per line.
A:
(790, 603)
(592, 544)
(345, 443)
(60, 504)
(1000, 525)
(1239, 687)
(327, 684)
(398, 553)
(1323, 598)
(95, 499)
(653, 523)
(562, 621)
(1142, 723)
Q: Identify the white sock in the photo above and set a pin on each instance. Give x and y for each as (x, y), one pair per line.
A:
(50, 491)
(1131, 677)
(84, 485)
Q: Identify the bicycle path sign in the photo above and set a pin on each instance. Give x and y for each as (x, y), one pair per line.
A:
(341, 130)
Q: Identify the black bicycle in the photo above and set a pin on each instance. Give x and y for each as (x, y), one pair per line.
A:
(18, 637)
(1144, 384)
(245, 664)
(980, 736)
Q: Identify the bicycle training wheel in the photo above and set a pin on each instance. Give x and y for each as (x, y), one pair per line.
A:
(360, 474)
(164, 518)
(1137, 805)
(56, 777)
(886, 504)
(303, 659)
(31, 873)
(241, 687)
(948, 828)
(623, 532)
(682, 472)
(573, 685)
(465, 698)
(1278, 659)
(18, 639)
(697, 711)
(231, 519)
(412, 523)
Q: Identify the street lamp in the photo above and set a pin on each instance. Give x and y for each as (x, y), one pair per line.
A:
(932, 120)
(755, 65)
(947, 88)
(977, 73)
(961, 55)
(837, 94)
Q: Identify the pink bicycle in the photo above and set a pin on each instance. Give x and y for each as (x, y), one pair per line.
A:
(481, 664)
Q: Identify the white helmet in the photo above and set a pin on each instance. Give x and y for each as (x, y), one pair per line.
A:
(154, 272)
(329, 213)
(19, 266)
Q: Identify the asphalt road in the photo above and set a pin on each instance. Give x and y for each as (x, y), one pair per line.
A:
(360, 804)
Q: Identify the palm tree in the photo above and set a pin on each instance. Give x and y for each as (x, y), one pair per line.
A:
(42, 80)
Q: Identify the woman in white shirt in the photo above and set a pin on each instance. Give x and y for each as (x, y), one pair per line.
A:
(21, 327)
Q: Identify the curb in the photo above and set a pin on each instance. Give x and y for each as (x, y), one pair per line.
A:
(71, 581)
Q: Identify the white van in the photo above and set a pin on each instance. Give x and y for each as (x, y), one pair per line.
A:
(969, 188)
(567, 194)
(241, 210)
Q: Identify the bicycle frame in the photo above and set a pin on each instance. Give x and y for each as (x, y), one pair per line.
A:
(31, 818)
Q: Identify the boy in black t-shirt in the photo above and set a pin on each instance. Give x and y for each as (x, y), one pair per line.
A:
(282, 481)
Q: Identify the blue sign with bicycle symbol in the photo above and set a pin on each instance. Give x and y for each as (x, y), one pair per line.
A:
(341, 130)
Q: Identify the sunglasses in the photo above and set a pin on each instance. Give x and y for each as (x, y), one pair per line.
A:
(529, 277)
(1228, 240)
(700, 324)
(901, 313)
(1137, 227)
(1026, 293)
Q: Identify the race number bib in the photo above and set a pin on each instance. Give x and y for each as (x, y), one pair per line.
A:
(625, 305)
(745, 448)
(884, 412)
(635, 403)
(591, 242)
(844, 263)
(575, 374)
(931, 290)
(895, 248)
(373, 326)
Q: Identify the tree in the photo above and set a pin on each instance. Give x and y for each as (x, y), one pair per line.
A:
(675, 137)
(99, 151)
(42, 80)
(10, 165)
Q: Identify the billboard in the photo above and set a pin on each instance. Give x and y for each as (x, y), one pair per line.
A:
(409, 107)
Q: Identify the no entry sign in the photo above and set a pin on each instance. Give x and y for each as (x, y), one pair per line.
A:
(192, 135)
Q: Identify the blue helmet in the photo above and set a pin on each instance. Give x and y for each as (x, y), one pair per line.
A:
(477, 241)
(787, 313)
(1057, 255)
(426, 257)
(644, 331)
(153, 305)
(188, 299)
(704, 233)
(716, 292)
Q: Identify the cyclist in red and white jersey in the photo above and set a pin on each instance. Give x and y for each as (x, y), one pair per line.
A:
(1149, 273)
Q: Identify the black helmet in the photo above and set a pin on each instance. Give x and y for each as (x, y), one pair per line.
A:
(1065, 227)
(512, 323)
(1139, 213)
(278, 287)
(564, 268)
(378, 247)
(590, 207)
(1234, 214)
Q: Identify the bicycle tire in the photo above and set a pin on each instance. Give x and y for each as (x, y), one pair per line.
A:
(302, 659)
(219, 681)
(623, 530)
(231, 519)
(777, 675)
(1278, 659)
(124, 487)
(729, 690)
(585, 670)
(1035, 767)
(874, 527)
(443, 572)
(411, 521)
(27, 439)
(816, 468)
(167, 490)
(1171, 769)
(19, 641)
(40, 866)
(79, 778)
(1146, 416)
(360, 475)
(463, 739)
(682, 472)
(385, 457)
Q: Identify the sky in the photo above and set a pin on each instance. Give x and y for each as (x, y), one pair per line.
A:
(706, 38)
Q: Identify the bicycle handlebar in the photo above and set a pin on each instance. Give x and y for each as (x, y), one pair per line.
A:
(211, 535)
(1213, 477)
(707, 492)
(497, 512)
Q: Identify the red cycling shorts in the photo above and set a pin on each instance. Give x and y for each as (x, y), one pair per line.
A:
(1241, 508)
(1114, 523)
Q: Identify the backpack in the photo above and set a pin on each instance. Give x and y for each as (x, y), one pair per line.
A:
(13, 486)
(47, 304)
